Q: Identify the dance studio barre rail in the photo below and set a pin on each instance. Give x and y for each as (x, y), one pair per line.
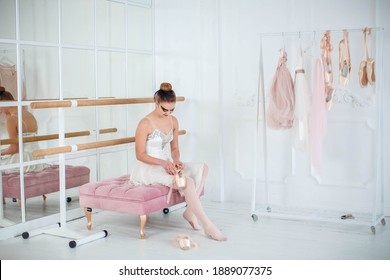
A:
(86, 146)
(93, 102)
(56, 136)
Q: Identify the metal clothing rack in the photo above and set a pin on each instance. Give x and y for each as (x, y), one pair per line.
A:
(262, 187)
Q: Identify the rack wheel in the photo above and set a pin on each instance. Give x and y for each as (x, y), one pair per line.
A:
(166, 210)
(373, 229)
(383, 221)
(255, 217)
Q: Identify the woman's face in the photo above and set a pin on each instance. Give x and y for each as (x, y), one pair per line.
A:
(165, 108)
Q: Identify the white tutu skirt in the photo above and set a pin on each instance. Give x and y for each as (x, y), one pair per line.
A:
(27, 156)
(148, 174)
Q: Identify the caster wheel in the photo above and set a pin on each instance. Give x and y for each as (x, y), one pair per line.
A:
(268, 209)
(14, 200)
(25, 235)
(255, 217)
(383, 221)
(373, 229)
(166, 210)
(68, 199)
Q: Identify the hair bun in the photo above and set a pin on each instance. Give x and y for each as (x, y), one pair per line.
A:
(166, 87)
(2, 89)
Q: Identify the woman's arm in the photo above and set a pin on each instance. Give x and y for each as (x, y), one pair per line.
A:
(175, 152)
(12, 129)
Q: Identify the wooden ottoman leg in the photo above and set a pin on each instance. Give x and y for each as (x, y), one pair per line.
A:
(142, 219)
(88, 215)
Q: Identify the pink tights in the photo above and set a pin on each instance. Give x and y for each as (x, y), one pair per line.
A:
(195, 212)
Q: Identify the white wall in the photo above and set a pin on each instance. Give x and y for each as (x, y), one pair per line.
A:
(209, 51)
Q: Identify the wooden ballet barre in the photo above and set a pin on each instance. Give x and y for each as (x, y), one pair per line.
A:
(93, 102)
(87, 146)
(55, 136)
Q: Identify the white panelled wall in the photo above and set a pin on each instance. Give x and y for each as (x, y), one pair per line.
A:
(209, 51)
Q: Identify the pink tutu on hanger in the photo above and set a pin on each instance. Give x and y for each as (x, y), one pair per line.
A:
(280, 114)
(318, 111)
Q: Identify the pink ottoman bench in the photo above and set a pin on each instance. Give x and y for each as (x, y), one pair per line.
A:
(44, 182)
(117, 195)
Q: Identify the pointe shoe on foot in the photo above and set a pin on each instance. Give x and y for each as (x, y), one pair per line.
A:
(191, 219)
(214, 233)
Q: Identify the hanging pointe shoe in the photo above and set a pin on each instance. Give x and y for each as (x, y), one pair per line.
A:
(370, 68)
(214, 233)
(191, 219)
(344, 60)
(363, 79)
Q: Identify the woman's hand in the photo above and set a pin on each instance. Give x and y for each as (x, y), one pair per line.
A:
(169, 167)
(178, 165)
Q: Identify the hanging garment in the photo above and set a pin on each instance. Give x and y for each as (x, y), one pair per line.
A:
(344, 60)
(326, 57)
(302, 107)
(280, 113)
(8, 80)
(317, 123)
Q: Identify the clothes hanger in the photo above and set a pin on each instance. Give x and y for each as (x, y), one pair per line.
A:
(5, 61)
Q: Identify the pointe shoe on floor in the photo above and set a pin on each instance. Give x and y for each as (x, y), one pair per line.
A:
(191, 219)
(214, 233)
(185, 242)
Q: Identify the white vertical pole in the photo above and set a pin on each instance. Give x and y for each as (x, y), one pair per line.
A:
(20, 115)
(97, 135)
(61, 123)
(220, 105)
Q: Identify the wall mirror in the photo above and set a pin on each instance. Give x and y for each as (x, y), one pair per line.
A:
(110, 56)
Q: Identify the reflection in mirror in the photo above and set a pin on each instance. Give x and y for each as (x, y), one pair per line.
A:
(38, 20)
(140, 74)
(40, 72)
(140, 28)
(111, 24)
(78, 73)
(111, 79)
(8, 71)
(11, 155)
(78, 15)
(7, 19)
(78, 171)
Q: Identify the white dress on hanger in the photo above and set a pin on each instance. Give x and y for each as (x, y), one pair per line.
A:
(302, 107)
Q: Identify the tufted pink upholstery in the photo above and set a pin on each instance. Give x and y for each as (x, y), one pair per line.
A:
(44, 182)
(116, 194)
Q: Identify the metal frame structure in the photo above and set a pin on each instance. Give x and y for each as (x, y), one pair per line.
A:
(372, 219)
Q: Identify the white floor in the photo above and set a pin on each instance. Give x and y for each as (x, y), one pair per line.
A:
(268, 238)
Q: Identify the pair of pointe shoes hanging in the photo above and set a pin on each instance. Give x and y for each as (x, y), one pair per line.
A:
(367, 66)
(344, 60)
(326, 57)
